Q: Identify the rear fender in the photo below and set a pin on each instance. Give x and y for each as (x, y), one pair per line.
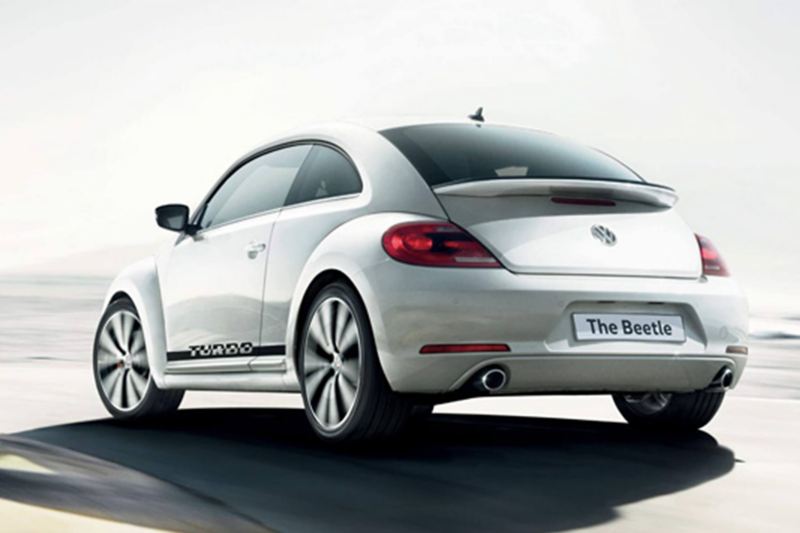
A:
(348, 250)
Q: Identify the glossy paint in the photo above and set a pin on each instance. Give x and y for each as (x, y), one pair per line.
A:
(534, 235)
(209, 288)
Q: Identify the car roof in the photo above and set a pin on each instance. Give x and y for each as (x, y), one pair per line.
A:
(390, 122)
(341, 131)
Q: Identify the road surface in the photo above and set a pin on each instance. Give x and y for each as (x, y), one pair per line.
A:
(248, 462)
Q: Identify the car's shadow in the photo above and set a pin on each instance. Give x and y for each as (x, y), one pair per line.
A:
(459, 473)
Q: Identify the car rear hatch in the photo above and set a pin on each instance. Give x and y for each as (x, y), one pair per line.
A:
(576, 226)
(543, 204)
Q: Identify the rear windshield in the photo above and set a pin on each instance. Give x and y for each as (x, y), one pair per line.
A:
(452, 153)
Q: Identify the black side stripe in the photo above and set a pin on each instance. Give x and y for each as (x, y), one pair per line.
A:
(218, 351)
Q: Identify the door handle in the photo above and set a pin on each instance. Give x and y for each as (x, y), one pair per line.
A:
(254, 248)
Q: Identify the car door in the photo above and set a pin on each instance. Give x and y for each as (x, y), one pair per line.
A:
(212, 281)
(326, 193)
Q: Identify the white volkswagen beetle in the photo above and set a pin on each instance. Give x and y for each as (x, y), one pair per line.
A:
(381, 270)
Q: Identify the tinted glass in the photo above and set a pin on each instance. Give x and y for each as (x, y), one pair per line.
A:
(257, 186)
(325, 173)
(447, 153)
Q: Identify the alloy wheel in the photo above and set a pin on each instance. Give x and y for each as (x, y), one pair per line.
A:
(332, 362)
(121, 361)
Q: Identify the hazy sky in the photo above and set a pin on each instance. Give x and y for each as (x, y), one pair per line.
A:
(110, 108)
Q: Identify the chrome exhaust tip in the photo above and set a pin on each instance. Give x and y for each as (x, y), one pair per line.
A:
(722, 381)
(492, 379)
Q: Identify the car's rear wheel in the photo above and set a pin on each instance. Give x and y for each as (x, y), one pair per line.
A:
(345, 393)
(121, 369)
(683, 411)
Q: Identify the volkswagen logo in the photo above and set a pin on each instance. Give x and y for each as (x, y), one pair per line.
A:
(604, 235)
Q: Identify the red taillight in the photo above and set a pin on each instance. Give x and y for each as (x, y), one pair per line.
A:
(464, 348)
(437, 245)
(713, 265)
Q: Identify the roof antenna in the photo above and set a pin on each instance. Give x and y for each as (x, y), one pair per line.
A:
(477, 116)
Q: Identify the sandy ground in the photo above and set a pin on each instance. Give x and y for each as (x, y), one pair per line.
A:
(535, 464)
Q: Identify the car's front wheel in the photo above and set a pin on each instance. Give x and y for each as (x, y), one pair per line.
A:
(345, 393)
(121, 369)
(662, 410)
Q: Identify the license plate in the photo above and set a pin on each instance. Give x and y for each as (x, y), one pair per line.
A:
(628, 327)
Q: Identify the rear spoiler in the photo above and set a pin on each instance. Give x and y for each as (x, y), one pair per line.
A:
(625, 191)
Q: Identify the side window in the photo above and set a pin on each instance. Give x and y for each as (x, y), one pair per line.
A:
(257, 186)
(325, 173)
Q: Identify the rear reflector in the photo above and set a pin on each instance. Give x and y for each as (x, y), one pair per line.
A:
(436, 244)
(463, 348)
(713, 265)
(582, 201)
(741, 350)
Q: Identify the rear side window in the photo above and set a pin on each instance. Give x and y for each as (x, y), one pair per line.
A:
(257, 186)
(325, 174)
(452, 153)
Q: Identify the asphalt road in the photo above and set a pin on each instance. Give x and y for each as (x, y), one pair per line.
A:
(507, 464)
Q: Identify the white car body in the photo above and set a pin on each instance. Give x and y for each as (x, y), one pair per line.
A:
(244, 284)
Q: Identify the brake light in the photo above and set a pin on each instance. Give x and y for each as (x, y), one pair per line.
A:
(713, 265)
(437, 245)
(583, 201)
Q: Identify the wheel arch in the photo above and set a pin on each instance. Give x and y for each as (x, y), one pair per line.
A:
(119, 295)
(347, 253)
(140, 284)
(320, 281)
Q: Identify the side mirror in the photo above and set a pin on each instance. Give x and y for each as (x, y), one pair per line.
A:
(174, 217)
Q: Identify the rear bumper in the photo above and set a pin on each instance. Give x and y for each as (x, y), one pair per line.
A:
(412, 306)
(565, 374)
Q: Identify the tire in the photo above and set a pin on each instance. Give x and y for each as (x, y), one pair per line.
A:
(421, 411)
(345, 393)
(675, 411)
(121, 369)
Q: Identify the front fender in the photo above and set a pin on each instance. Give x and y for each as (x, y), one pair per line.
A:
(139, 282)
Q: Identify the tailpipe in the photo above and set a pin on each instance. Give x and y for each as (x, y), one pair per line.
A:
(491, 379)
(722, 381)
